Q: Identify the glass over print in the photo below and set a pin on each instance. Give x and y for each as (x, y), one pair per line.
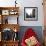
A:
(30, 13)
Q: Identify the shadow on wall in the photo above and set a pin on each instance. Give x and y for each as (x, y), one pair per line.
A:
(37, 29)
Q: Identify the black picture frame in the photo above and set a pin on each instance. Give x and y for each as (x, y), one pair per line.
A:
(30, 13)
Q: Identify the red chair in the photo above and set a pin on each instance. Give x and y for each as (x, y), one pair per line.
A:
(29, 33)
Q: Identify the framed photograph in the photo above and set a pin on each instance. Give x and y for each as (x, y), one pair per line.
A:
(5, 12)
(30, 13)
(13, 12)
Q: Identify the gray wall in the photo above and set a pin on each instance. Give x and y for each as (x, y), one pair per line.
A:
(37, 29)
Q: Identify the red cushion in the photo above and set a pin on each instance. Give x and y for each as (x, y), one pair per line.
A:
(29, 33)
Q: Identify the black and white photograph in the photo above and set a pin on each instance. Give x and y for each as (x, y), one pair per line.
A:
(30, 13)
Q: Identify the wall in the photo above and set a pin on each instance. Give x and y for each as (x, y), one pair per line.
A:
(30, 3)
(26, 3)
